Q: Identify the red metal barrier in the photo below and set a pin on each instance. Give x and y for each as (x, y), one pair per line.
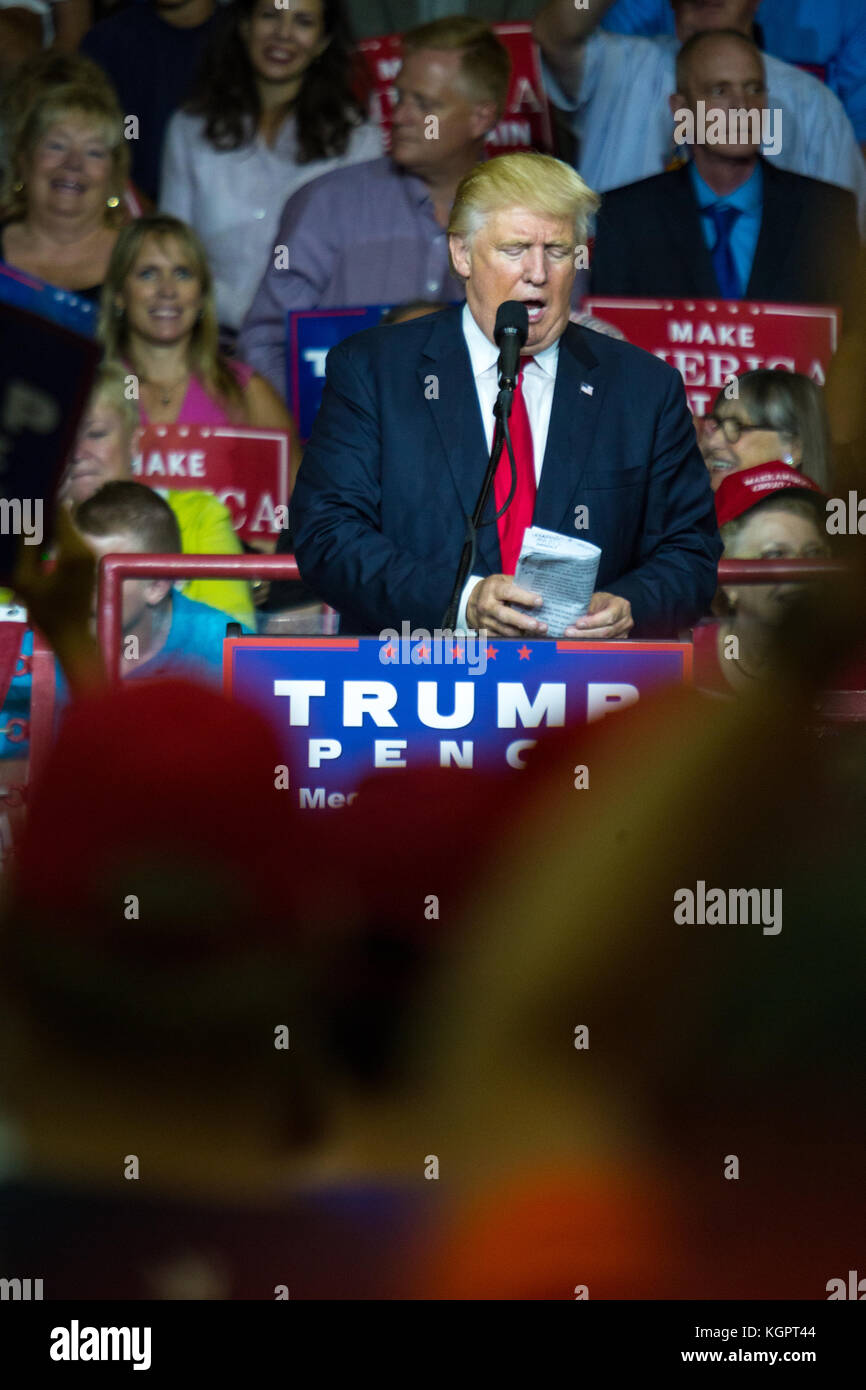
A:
(113, 569)
(777, 571)
(42, 707)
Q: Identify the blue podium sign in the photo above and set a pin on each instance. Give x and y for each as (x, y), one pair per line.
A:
(48, 301)
(345, 707)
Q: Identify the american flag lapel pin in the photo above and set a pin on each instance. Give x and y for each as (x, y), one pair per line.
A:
(586, 388)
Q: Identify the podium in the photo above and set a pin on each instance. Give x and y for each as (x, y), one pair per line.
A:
(346, 707)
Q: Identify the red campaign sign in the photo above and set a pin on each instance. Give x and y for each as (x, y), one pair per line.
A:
(709, 341)
(526, 124)
(248, 470)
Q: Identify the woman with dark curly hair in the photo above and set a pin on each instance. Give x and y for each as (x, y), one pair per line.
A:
(278, 102)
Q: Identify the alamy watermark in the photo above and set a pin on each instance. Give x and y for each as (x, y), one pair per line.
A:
(22, 516)
(77, 1343)
(21, 1290)
(854, 1289)
(704, 906)
(740, 126)
(846, 518)
(441, 647)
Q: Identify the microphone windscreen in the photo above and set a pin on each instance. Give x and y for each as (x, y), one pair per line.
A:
(511, 315)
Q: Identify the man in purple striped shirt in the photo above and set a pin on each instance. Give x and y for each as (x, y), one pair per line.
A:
(375, 233)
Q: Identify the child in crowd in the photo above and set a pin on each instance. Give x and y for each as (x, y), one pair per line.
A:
(103, 453)
(165, 633)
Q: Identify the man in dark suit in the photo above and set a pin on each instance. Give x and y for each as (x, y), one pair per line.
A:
(729, 223)
(604, 445)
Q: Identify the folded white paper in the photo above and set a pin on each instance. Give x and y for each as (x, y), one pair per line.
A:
(563, 570)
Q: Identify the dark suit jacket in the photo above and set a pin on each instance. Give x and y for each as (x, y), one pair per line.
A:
(398, 453)
(649, 241)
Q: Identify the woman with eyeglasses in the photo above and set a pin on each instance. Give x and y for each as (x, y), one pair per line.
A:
(776, 415)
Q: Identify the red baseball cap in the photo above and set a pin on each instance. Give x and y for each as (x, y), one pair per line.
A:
(738, 492)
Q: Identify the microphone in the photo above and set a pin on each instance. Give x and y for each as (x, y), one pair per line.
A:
(510, 334)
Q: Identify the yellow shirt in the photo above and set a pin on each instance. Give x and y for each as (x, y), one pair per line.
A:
(206, 529)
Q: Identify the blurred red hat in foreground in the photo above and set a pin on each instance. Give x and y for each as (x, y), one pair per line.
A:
(147, 782)
(168, 790)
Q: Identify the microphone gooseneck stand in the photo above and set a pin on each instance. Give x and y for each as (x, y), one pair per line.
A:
(501, 436)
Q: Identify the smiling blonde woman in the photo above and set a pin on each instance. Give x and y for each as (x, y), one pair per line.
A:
(158, 318)
(63, 195)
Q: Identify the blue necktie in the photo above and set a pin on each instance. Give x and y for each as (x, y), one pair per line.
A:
(723, 259)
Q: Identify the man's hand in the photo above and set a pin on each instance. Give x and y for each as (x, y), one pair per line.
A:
(489, 607)
(607, 619)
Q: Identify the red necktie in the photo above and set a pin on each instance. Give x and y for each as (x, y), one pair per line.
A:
(514, 522)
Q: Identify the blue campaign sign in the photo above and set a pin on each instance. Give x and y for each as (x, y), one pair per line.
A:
(310, 335)
(346, 706)
(48, 301)
(45, 377)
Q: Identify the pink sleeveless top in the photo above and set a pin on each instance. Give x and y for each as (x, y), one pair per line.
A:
(200, 408)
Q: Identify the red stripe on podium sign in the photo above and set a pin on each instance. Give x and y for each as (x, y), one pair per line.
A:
(710, 341)
(248, 470)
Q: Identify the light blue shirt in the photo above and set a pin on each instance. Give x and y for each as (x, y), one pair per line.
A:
(749, 198)
(618, 105)
(194, 646)
(827, 33)
(193, 649)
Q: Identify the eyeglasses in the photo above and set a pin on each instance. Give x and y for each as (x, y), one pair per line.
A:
(731, 428)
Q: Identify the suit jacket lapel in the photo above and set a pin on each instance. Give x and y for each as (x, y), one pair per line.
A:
(449, 393)
(779, 217)
(686, 237)
(573, 422)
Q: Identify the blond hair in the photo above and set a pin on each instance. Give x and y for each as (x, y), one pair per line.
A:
(96, 103)
(537, 182)
(485, 65)
(110, 389)
(206, 362)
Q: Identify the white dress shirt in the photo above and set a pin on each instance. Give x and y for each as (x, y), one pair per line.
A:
(234, 198)
(539, 379)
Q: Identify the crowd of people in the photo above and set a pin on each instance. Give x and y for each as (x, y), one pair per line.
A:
(278, 190)
(198, 170)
